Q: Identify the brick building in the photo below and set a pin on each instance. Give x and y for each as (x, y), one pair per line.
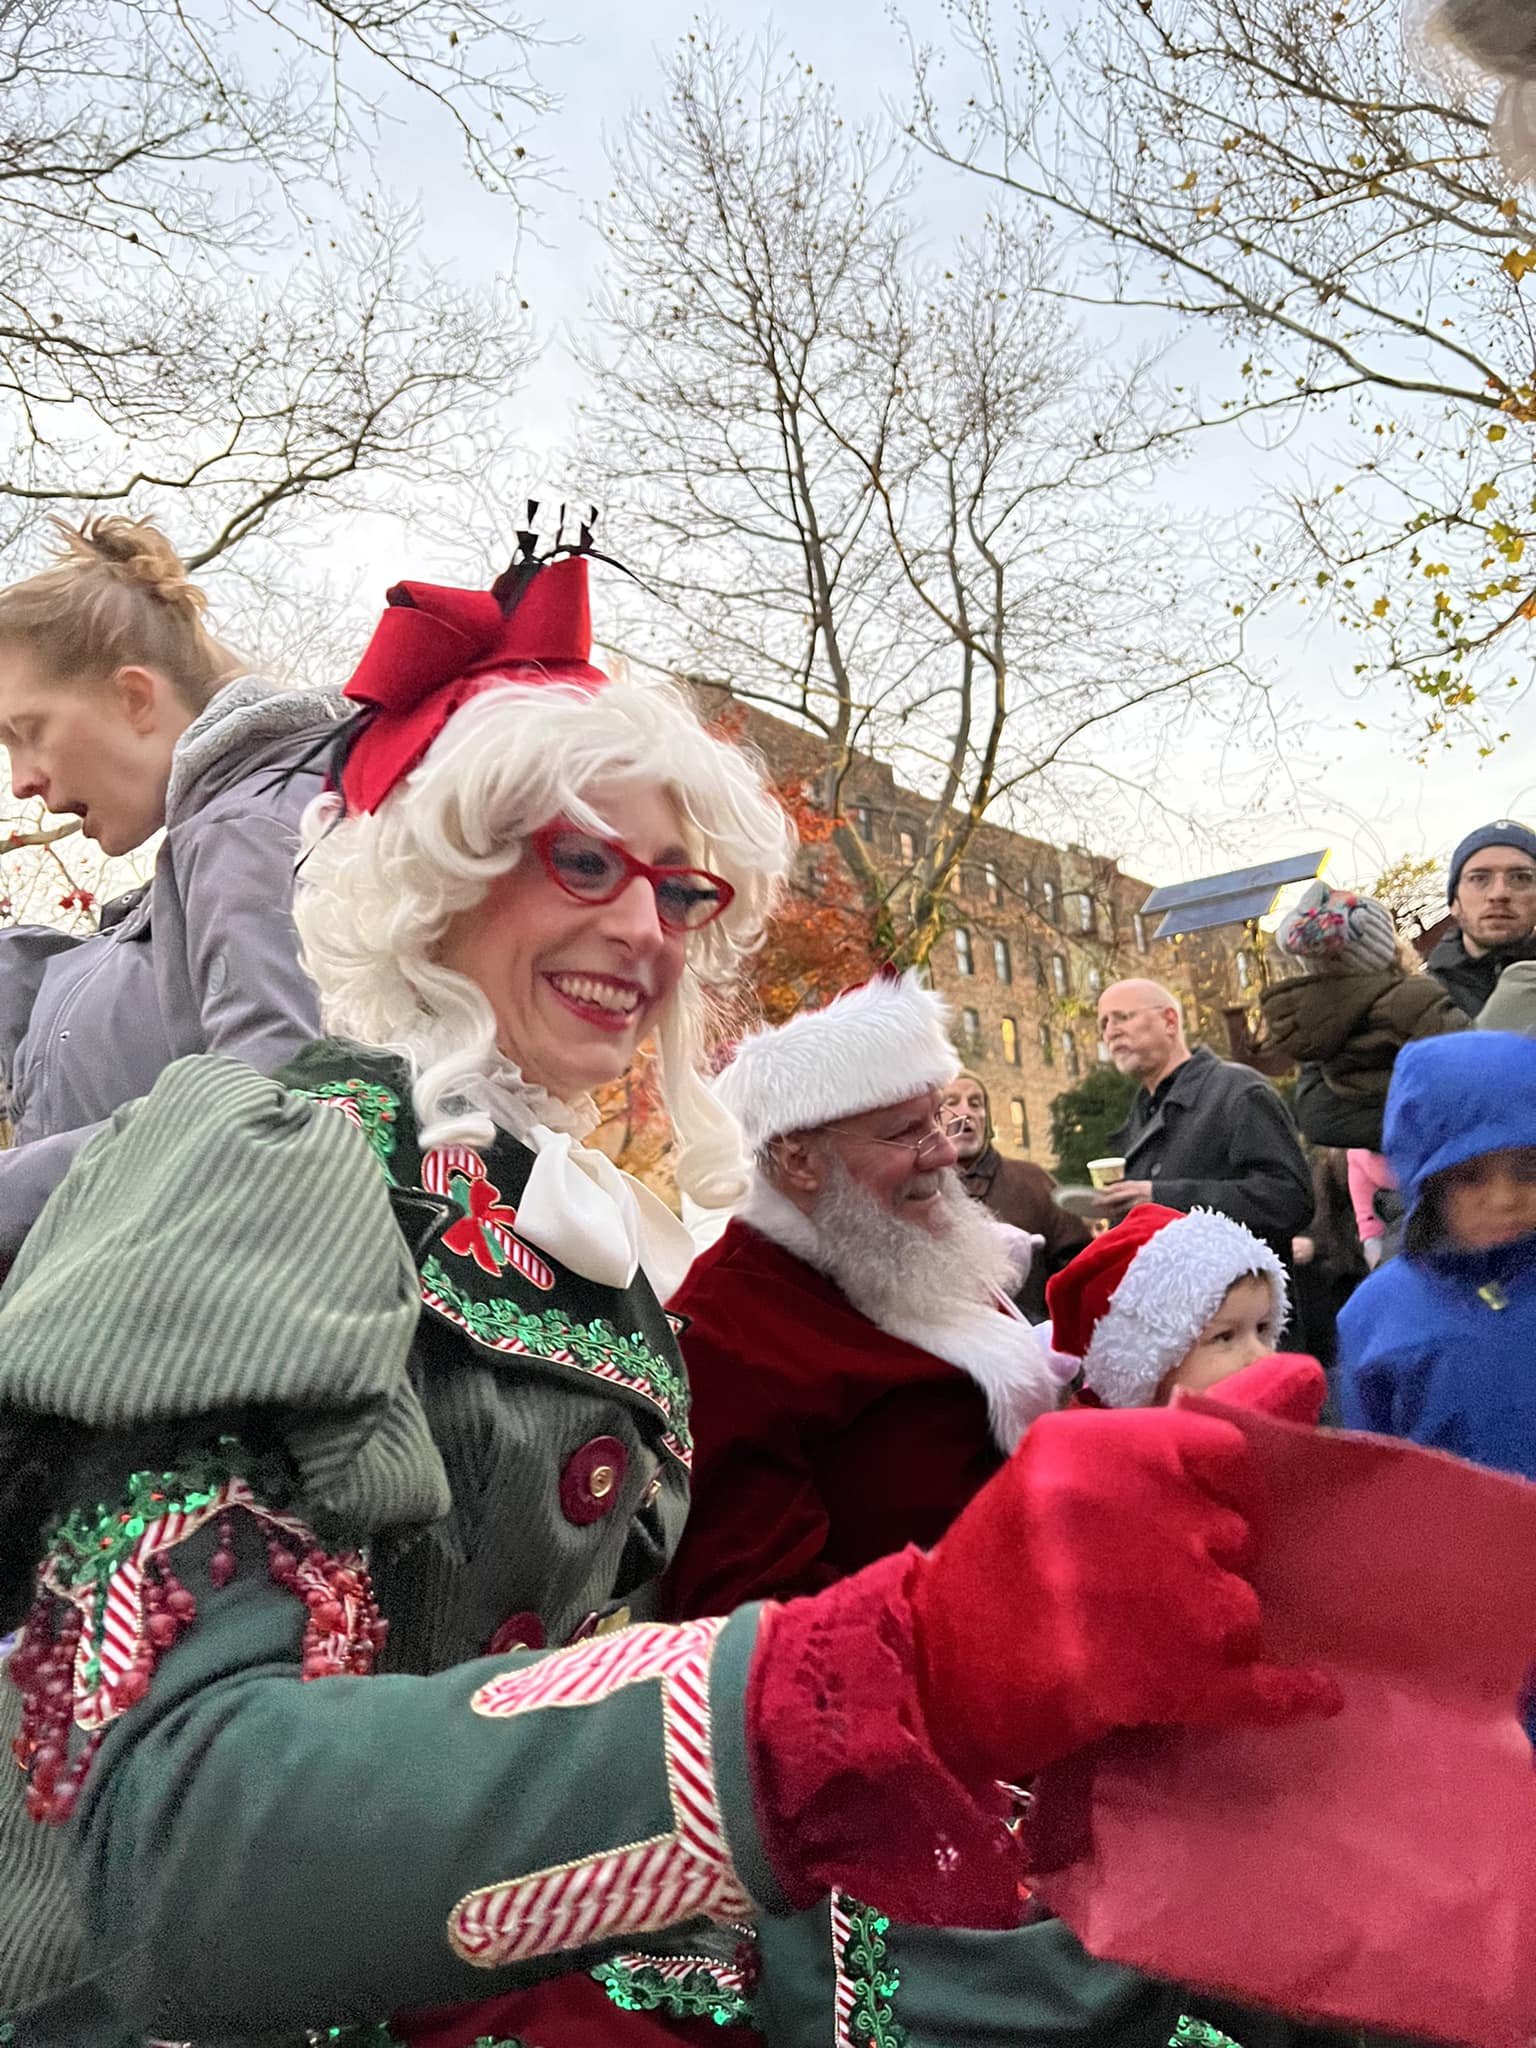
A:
(1034, 933)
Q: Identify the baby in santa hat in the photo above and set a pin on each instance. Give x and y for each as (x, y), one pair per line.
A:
(1166, 1300)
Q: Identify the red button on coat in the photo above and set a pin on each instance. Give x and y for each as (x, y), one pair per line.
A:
(592, 1480)
(517, 1632)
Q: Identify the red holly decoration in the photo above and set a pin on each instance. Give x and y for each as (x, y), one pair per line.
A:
(474, 1233)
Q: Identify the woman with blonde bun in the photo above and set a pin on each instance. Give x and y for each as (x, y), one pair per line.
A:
(119, 707)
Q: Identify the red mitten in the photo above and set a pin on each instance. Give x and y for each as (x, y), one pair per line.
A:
(1287, 1385)
(1096, 1583)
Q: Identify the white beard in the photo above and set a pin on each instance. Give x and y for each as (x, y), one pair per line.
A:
(944, 1289)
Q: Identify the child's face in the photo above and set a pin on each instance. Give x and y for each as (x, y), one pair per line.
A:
(1242, 1329)
(1488, 1201)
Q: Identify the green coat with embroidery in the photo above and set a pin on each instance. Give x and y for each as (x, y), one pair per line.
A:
(249, 1857)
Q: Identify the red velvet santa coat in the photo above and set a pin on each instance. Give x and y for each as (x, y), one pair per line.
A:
(820, 1442)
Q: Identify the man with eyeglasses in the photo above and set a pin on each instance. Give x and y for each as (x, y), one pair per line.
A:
(1492, 895)
(857, 1365)
(1202, 1133)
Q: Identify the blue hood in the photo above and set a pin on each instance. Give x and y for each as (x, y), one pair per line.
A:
(1454, 1098)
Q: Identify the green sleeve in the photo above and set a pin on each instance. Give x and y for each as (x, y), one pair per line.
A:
(254, 1851)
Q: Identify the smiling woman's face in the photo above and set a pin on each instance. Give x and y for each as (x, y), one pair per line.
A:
(576, 986)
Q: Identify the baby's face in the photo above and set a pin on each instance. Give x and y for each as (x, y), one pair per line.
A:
(1243, 1328)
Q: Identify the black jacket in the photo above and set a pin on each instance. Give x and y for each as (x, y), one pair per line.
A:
(1222, 1139)
(1471, 982)
(1324, 1117)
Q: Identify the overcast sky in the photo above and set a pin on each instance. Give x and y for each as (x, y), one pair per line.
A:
(1360, 793)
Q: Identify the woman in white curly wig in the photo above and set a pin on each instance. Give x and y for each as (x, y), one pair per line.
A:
(526, 870)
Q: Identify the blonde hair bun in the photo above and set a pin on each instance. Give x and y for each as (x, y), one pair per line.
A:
(133, 551)
(116, 593)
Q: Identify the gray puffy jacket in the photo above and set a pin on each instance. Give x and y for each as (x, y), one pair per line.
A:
(204, 958)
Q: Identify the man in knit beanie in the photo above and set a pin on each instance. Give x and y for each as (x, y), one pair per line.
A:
(1491, 890)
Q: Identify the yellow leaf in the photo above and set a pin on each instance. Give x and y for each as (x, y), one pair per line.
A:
(1484, 496)
(1497, 433)
(1188, 185)
(1516, 262)
(1509, 208)
(1380, 607)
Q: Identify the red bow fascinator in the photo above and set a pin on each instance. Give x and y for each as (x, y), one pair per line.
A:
(436, 648)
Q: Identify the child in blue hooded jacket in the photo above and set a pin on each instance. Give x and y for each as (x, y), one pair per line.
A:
(1439, 1345)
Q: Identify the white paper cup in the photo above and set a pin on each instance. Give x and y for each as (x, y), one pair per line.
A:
(1105, 1172)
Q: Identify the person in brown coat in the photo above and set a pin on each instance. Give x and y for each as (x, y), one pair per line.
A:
(1357, 1003)
(1015, 1190)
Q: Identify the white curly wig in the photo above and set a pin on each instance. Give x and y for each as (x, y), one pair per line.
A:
(376, 892)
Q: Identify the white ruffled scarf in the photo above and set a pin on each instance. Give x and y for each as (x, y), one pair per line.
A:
(987, 1339)
(577, 1206)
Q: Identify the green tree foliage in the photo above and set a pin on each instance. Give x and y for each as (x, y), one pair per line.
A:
(1083, 1117)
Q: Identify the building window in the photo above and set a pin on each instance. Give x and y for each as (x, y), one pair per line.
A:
(1095, 982)
(1101, 1052)
(964, 959)
(1244, 970)
(1027, 888)
(864, 823)
(1010, 1042)
(1059, 976)
(1047, 1046)
(1069, 1054)
(1019, 1123)
(970, 1029)
(1002, 960)
(1141, 932)
(1087, 918)
(908, 844)
(994, 883)
(1048, 901)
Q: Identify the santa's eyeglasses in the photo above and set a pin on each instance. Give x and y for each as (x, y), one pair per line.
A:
(941, 1130)
(597, 870)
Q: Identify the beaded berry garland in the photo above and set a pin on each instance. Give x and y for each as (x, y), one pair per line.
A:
(109, 1605)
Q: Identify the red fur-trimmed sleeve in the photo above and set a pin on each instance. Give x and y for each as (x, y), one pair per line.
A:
(851, 1793)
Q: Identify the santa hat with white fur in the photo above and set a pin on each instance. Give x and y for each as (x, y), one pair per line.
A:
(1134, 1302)
(876, 1044)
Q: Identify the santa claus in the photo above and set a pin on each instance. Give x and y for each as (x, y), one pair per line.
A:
(858, 1366)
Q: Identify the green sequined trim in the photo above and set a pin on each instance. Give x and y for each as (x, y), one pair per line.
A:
(376, 1107)
(874, 1979)
(697, 1996)
(88, 1546)
(545, 1332)
(1191, 2033)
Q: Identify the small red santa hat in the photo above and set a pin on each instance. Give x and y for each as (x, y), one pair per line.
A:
(876, 1044)
(1134, 1302)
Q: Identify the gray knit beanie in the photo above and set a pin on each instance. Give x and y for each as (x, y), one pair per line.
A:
(1338, 930)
